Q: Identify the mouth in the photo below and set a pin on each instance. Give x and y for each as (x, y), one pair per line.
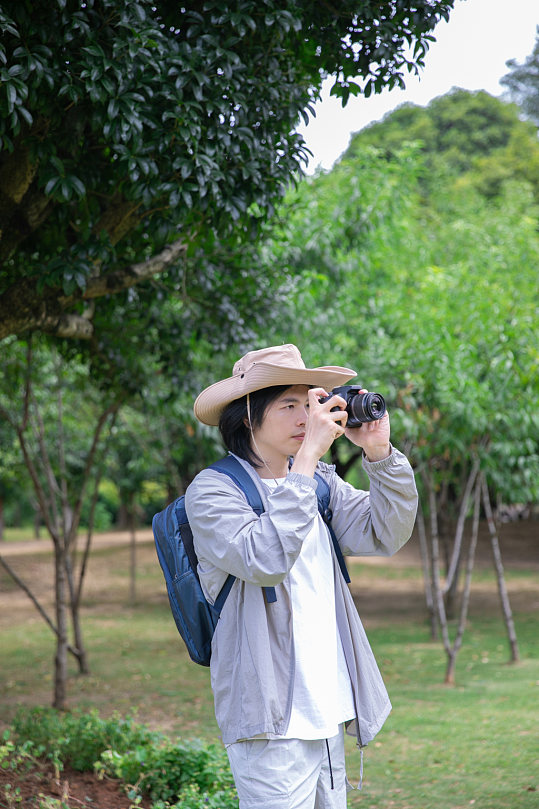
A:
(299, 437)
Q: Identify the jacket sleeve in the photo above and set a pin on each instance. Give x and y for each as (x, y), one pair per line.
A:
(228, 534)
(380, 521)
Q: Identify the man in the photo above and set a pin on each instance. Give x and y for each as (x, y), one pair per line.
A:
(288, 675)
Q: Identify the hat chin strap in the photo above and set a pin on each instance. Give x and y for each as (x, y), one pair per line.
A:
(253, 439)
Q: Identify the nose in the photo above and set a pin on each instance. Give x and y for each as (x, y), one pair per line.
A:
(302, 415)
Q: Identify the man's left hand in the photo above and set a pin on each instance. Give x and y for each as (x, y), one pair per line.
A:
(372, 437)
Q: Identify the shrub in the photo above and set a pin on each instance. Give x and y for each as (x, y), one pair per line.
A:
(174, 774)
(166, 771)
(75, 738)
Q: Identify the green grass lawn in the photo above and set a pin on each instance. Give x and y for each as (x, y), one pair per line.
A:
(472, 745)
(23, 534)
(475, 744)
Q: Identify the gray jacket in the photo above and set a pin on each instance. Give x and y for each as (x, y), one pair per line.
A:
(252, 663)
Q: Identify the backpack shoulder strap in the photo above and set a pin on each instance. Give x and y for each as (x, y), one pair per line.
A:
(232, 467)
(322, 492)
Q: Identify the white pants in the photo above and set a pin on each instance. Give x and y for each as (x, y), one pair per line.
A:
(290, 773)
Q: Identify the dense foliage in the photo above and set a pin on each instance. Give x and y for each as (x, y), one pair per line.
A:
(428, 287)
(472, 135)
(134, 134)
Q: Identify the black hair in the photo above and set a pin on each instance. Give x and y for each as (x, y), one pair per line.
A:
(235, 433)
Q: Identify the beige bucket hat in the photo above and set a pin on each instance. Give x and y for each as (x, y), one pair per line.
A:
(277, 365)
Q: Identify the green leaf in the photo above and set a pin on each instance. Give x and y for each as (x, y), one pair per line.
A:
(78, 186)
(26, 115)
(11, 97)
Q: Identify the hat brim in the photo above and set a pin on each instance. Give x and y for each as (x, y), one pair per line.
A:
(211, 402)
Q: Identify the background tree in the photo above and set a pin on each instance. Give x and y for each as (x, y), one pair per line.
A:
(130, 139)
(435, 294)
(59, 419)
(471, 135)
(522, 82)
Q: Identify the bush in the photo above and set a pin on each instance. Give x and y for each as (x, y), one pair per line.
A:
(75, 738)
(165, 772)
(174, 774)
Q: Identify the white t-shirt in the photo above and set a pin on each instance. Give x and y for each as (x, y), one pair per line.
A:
(322, 697)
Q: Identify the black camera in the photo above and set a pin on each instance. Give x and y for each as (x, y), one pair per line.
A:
(361, 407)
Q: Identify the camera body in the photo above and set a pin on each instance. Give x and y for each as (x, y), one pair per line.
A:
(360, 407)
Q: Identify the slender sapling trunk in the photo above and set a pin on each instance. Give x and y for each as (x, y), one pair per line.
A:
(498, 565)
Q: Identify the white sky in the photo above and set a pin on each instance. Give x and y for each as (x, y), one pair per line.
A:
(470, 52)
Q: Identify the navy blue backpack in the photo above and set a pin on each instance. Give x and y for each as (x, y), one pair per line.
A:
(195, 617)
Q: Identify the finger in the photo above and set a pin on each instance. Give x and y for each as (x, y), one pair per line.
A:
(340, 417)
(316, 393)
(335, 401)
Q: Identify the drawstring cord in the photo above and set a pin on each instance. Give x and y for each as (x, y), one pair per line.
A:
(330, 769)
(360, 785)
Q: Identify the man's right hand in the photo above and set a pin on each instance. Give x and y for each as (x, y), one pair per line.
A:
(323, 426)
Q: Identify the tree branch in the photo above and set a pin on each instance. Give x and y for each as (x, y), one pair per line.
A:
(23, 307)
(38, 488)
(455, 557)
(114, 282)
(34, 601)
(76, 597)
(77, 510)
(500, 576)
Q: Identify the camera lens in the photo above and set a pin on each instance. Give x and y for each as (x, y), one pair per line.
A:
(365, 407)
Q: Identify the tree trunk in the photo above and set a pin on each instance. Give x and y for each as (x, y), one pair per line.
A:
(37, 521)
(452, 580)
(498, 564)
(437, 593)
(425, 563)
(82, 655)
(133, 555)
(75, 588)
(60, 660)
(457, 643)
(74, 604)
(122, 520)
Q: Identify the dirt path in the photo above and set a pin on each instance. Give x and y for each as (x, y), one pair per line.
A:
(378, 595)
(519, 543)
(111, 539)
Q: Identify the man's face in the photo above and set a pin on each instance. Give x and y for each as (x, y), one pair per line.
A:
(283, 427)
